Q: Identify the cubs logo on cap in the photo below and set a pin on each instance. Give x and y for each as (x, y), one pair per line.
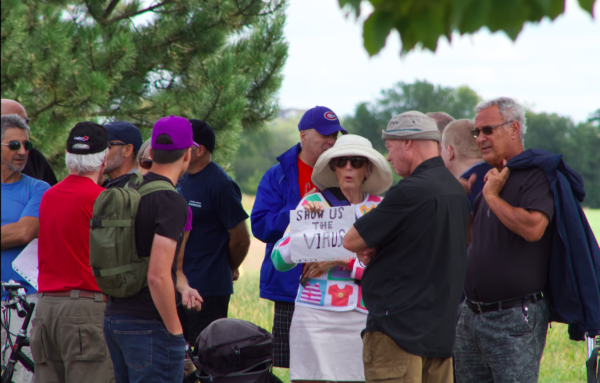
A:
(330, 116)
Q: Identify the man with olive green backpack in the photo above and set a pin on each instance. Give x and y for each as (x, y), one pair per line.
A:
(142, 331)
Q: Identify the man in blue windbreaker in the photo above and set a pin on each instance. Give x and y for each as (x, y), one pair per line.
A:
(280, 191)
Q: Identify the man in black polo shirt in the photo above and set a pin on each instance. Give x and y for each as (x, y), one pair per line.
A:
(416, 255)
(502, 325)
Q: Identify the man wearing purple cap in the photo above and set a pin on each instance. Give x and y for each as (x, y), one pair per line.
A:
(280, 191)
(143, 332)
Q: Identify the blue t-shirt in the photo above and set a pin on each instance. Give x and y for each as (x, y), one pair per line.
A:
(481, 169)
(19, 199)
(216, 203)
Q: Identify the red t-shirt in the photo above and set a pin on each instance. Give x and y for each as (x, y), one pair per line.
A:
(304, 174)
(64, 236)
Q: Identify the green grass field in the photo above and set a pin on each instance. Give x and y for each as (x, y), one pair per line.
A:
(563, 360)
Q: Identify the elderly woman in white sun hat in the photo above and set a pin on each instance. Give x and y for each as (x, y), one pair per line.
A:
(325, 342)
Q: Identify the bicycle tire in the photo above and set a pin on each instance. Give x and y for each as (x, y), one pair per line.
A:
(8, 372)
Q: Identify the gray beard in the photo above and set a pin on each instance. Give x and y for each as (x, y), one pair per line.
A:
(114, 163)
(14, 168)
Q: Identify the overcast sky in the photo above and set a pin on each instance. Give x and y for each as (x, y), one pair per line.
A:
(552, 67)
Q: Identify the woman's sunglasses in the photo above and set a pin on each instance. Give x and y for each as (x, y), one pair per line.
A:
(355, 162)
(16, 145)
(145, 163)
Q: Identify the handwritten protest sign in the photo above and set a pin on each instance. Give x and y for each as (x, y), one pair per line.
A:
(318, 236)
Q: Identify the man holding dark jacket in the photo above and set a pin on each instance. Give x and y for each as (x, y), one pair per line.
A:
(502, 325)
(280, 191)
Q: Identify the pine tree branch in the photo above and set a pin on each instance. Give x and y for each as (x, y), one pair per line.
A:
(50, 105)
(241, 12)
(128, 15)
(111, 7)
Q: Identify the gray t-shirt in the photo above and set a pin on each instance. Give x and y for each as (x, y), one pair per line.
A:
(502, 265)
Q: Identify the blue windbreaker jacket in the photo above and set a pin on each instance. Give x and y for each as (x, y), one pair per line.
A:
(277, 194)
(573, 287)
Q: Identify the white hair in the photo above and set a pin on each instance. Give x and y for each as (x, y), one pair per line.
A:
(81, 164)
(509, 109)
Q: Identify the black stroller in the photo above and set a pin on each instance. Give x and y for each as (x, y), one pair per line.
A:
(233, 351)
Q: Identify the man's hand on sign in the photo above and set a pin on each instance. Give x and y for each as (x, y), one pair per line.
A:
(191, 299)
(366, 255)
(314, 206)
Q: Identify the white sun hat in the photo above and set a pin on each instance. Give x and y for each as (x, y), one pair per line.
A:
(351, 145)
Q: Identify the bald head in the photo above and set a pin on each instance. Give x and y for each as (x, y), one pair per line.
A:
(441, 119)
(13, 107)
(458, 134)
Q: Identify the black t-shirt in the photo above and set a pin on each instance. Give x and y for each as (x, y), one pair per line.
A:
(413, 287)
(164, 213)
(38, 167)
(501, 264)
(216, 204)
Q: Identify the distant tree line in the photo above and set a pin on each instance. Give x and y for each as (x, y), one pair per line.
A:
(578, 143)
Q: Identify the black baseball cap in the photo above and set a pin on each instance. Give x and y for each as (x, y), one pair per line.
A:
(203, 134)
(89, 133)
(126, 132)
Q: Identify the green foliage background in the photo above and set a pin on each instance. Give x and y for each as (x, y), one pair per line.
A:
(578, 143)
(216, 60)
(423, 22)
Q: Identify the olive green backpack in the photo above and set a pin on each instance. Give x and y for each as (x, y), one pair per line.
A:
(114, 259)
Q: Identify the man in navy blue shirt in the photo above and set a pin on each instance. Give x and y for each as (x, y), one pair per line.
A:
(219, 239)
(462, 156)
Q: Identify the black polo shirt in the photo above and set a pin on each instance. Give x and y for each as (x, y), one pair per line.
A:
(502, 265)
(413, 287)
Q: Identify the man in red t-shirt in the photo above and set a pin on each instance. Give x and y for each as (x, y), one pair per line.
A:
(67, 340)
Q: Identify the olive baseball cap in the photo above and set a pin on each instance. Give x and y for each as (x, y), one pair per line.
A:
(412, 125)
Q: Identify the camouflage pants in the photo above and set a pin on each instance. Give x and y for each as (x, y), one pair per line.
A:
(500, 346)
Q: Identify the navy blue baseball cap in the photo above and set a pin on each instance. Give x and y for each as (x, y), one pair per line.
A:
(126, 132)
(322, 119)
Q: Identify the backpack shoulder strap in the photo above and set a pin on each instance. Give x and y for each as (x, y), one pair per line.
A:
(335, 197)
(135, 180)
(154, 186)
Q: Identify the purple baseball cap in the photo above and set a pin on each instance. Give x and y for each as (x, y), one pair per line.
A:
(178, 128)
(322, 119)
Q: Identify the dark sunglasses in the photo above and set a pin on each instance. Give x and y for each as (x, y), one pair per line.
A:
(16, 145)
(145, 163)
(355, 162)
(111, 144)
(487, 130)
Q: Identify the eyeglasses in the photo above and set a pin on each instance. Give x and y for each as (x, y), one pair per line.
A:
(145, 163)
(111, 144)
(16, 145)
(487, 130)
(355, 162)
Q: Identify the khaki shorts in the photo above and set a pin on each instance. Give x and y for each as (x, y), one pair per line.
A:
(385, 361)
(67, 341)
